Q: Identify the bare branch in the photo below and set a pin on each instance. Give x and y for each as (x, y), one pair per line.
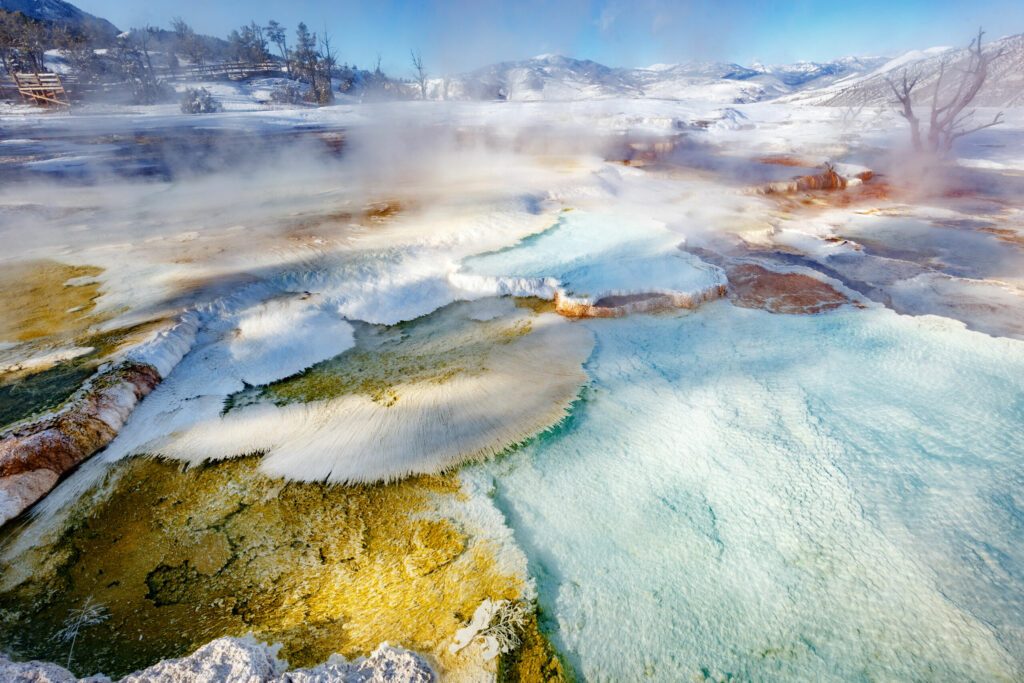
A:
(421, 72)
(998, 119)
(947, 117)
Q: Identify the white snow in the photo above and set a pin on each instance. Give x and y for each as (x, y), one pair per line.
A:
(280, 337)
(523, 387)
(244, 660)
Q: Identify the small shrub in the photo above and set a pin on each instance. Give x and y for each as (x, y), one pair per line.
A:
(199, 101)
(288, 92)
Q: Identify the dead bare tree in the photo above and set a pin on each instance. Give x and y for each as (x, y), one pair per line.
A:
(421, 73)
(948, 119)
(852, 112)
(904, 93)
(327, 63)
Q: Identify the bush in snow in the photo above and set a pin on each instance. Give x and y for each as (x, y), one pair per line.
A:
(199, 101)
(288, 92)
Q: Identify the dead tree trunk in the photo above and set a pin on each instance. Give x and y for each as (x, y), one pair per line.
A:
(949, 119)
(904, 92)
(421, 73)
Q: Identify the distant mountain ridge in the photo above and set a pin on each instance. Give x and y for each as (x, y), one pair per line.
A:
(556, 77)
(63, 14)
(847, 81)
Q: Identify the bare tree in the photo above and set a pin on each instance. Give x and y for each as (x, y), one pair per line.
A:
(248, 44)
(23, 42)
(853, 111)
(421, 73)
(9, 37)
(187, 43)
(80, 55)
(948, 119)
(327, 63)
(904, 93)
(135, 64)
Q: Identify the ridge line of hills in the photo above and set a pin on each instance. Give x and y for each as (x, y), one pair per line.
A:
(846, 81)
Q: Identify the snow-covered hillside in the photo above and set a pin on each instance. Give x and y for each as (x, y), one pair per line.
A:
(1003, 88)
(555, 77)
(60, 13)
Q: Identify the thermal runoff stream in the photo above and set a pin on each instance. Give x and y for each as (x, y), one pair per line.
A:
(608, 390)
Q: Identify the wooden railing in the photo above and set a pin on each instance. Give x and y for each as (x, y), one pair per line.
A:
(230, 70)
(42, 88)
(49, 88)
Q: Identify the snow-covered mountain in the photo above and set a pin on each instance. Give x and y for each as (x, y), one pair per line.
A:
(60, 13)
(1003, 88)
(847, 81)
(817, 74)
(547, 77)
(555, 77)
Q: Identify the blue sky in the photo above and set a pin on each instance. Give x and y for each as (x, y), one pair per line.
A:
(462, 34)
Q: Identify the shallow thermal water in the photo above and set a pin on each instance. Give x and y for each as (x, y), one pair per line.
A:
(754, 496)
(721, 493)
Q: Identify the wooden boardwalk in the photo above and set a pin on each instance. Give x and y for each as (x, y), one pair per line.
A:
(48, 89)
(233, 71)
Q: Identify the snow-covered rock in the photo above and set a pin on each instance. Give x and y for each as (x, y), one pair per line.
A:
(243, 660)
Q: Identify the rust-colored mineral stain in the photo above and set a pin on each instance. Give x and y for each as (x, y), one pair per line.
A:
(753, 286)
(60, 442)
(315, 225)
(827, 180)
(617, 306)
(786, 160)
(1005, 235)
(870, 191)
(382, 211)
(643, 152)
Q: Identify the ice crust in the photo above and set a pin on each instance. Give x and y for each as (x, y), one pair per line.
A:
(279, 337)
(525, 385)
(754, 496)
(587, 256)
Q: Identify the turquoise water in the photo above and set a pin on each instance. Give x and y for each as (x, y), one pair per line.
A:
(743, 495)
(593, 255)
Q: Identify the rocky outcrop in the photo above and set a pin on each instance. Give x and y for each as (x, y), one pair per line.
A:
(35, 455)
(828, 180)
(243, 660)
(40, 672)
